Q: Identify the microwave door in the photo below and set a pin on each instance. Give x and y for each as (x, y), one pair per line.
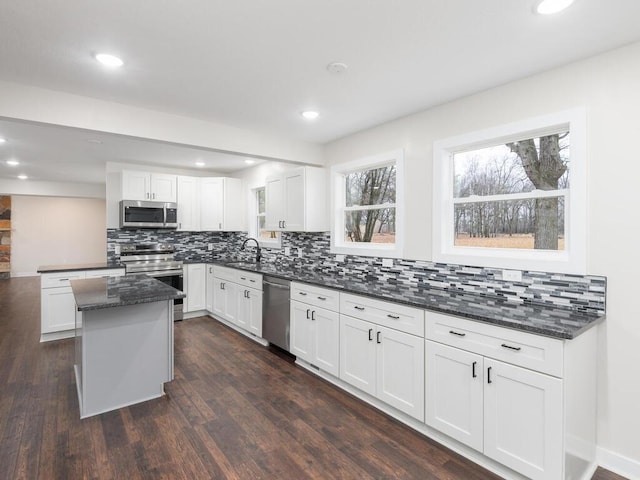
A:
(171, 217)
(144, 216)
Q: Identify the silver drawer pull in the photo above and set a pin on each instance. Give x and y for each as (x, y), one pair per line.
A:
(63, 280)
(243, 278)
(304, 294)
(251, 280)
(395, 317)
(452, 332)
(517, 349)
(358, 308)
(322, 298)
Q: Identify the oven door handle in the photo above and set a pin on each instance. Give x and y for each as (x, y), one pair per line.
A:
(171, 273)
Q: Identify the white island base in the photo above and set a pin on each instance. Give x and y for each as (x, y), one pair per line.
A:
(124, 355)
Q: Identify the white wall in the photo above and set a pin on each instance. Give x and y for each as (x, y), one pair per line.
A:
(54, 231)
(53, 189)
(609, 87)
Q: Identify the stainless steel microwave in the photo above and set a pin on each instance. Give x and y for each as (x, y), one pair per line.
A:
(139, 214)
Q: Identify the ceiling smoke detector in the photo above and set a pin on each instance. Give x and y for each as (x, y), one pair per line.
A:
(337, 68)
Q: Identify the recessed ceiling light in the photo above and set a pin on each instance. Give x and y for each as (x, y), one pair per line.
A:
(109, 60)
(248, 161)
(310, 115)
(2, 140)
(548, 7)
(22, 177)
(13, 163)
(199, 164)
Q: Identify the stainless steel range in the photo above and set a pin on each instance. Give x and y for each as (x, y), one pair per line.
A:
(156, 260)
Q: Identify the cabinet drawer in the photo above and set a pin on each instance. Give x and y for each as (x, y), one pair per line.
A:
(388, 314)
(535, 352)
(106, 272)
(229, 274)
(316, 296)
(249, 279)
(60, 279)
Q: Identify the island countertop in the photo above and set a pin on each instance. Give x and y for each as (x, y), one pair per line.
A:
(98, 293)
(78, 266)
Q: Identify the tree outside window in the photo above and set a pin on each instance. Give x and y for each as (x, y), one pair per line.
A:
(367, 205)
(264, 236)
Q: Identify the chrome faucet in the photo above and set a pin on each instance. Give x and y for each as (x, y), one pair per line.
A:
(258, 251)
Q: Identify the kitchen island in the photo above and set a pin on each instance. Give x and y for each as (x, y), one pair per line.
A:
(124, 341)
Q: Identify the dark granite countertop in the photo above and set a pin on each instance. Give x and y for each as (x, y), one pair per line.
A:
(97, 293)
(558, 322)
(79, 266)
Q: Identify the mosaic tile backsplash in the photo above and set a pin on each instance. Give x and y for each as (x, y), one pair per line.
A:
(578, 292)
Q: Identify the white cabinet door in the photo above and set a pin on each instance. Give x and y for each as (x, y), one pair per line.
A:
(523, 427)
(211, 204)
(231, 292)
(210, 288)
(326, 337)
(274, 203)
(358, 353)
(294, 200)
(219, 307)
(250, 312)
(454, 393)
(163, 187)
(136, 185)
(188, 204)
(301, 334)
(58, 309)
(195, 285)
(400, 371)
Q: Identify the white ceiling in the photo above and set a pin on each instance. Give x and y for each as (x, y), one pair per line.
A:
(256, 64)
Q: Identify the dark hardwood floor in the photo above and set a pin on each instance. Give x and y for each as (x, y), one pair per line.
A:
(234, 411)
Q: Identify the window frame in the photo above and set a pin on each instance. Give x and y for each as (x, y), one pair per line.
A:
(254, 229)
(570, 260)
(339, 208)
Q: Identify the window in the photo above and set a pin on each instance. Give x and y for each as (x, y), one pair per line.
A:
(267, 238)
(513, 196)
(368, 205)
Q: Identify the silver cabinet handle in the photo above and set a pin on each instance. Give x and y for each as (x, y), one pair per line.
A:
(243, 278)
(358, 308)
(517, 349)
(370, 334)
(308, 310)
(322, 298)
(63, 279)
(378, 337)
(395, 317)
(153, 195)
(457, 333)
(313, 315)
(304, 294)
(252, 280)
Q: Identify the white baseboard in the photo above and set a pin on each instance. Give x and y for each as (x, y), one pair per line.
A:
(619, 464)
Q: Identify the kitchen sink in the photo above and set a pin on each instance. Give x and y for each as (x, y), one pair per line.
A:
(248, 263)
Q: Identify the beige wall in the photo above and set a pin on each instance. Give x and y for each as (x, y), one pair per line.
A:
(55, 230)
(608, 86)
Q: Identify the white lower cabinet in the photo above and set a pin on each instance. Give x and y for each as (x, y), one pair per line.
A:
(195, 286)
(483, 390)
(250, 310)
(225, 300)
(236, 296)
(384, 363)
(57, 303)
(315, 336)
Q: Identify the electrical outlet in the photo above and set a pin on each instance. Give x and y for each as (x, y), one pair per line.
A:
(117, 250)
(387, 262)
(299, 253)
(512, 275)
(339, 258)
(287, 251)
(210, 247)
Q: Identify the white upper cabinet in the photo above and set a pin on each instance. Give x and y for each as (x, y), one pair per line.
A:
(159, 187)
(188, 204)
(221, 204)
(210, 204)
(296, 201)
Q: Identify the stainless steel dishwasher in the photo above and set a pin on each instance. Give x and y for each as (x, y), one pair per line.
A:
(275, 311)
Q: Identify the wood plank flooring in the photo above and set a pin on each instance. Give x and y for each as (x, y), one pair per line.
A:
(234, 411)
